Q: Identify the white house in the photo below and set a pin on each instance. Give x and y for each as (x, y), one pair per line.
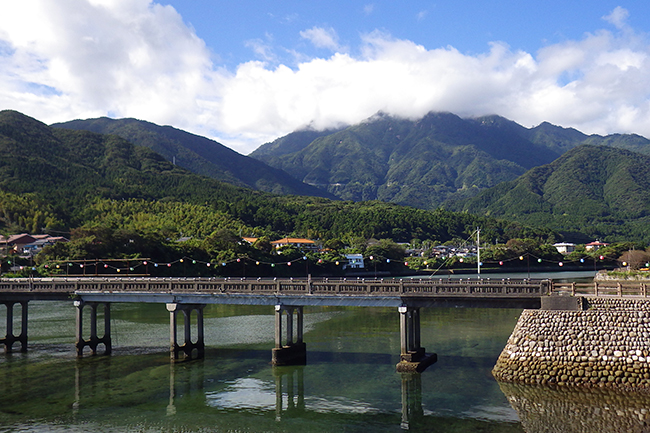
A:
(565, 247)
(355, 261)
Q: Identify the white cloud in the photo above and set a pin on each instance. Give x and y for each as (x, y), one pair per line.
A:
(134, 58)
(321, 37)
(128, 57)
(617, 17)
(263, 49)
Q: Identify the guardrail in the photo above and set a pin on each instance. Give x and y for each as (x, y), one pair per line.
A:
(326, 286)
(604, 288)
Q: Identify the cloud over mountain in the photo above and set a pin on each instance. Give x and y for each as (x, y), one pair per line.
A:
(137, 58)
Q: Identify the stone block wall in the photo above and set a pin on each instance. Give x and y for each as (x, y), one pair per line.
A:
(606, 345)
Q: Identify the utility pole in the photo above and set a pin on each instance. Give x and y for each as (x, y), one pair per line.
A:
(478, 251)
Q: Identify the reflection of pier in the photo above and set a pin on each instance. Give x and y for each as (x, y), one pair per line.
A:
(186, 382)
(412, 412)
(189, 296)
(291, 379)
(192, 387)
(290, 395)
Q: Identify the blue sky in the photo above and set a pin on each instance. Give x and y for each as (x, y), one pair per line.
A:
(247, 72)
(469, 26)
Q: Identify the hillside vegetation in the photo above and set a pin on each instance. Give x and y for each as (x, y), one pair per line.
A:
(593, 191)
(439, 159)
(199, 155)
(115, 199)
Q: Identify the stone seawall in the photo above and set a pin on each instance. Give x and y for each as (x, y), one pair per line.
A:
(605, 345)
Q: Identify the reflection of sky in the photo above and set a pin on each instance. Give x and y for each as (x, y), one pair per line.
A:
(256, 394)
(244, 393)
(493, 413)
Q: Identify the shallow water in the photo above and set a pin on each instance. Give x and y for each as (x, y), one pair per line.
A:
(349, 382)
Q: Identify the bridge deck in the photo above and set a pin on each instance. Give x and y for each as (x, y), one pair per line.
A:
(332, 292)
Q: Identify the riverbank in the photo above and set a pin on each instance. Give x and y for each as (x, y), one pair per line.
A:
(622, 274)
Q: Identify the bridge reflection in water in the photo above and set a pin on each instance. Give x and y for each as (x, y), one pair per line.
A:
(286, 397)
(540, 409)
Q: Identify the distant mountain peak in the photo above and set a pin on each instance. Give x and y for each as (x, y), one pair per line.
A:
(422, 162)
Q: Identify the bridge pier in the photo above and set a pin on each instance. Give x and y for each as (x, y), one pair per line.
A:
(188, 346)
(94, 340)
(10, 338)
(289, 353)
(412, 357)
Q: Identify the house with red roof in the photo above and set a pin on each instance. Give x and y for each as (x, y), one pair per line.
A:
(301, 244)
(594, 246)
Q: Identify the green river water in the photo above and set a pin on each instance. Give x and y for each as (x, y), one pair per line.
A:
(348, 385)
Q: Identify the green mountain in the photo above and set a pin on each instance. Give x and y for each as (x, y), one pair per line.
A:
(100, 186)
(68, 170)
(438, 159)
(597, 191)
(199, 155)
(292, 142)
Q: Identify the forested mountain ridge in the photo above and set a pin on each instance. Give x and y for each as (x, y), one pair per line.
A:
(438, 159)
(98, 185)
(598, 191)
(69, 170)
(199, 155)
(292, 142)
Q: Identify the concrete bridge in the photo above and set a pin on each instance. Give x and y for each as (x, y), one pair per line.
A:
(187, 297)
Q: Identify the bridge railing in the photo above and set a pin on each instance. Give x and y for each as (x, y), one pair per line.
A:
(324, 286)
(604, 288)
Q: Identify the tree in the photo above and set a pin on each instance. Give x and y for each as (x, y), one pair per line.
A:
(634, 259)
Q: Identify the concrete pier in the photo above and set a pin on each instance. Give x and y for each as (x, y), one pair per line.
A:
(93, 341)
(412, 357)
(289, 352)
(189, 349)
(10, 338)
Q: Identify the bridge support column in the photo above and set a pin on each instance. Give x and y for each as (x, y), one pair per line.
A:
(188, 346)
(290, 352)
(412, 357)
(10, 338)
(94, 340)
